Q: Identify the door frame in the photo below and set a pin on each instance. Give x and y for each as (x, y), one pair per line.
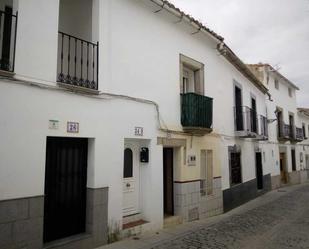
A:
(136, 165)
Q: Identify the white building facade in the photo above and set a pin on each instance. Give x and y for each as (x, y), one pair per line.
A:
(286, 131)
(120, 117)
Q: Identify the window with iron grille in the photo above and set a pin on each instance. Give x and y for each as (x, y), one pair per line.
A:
(235, 167)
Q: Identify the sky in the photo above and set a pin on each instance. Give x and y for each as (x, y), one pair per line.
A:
(269, 31)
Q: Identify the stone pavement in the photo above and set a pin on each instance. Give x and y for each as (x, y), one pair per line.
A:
(279, 219)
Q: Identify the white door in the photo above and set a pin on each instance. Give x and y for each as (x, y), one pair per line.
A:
(130, 180)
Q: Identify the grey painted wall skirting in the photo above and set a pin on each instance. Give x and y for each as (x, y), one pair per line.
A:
(244, 192)
(21, 223)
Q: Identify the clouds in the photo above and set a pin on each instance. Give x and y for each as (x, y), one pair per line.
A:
(275, 31)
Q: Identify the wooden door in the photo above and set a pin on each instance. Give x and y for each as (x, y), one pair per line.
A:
(65, 187)
(283, 168)
(168, 181)
(293, 156)
(259, 170)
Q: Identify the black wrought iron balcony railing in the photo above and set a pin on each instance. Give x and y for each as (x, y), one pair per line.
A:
(196, 112)
(284, 131)
(264, 127)
(78, 62)
(8, 29)
(299, 134)
(246, 121)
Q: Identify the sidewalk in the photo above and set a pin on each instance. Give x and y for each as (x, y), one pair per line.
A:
(152, 239)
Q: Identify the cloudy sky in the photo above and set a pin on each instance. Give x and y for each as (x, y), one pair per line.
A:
(273, 31)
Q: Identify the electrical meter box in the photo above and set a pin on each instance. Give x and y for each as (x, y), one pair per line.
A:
(144, 155)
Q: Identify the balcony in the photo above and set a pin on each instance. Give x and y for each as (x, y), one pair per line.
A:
(290, 132)
(196, 113)
(77, 62)
(263, 135)
(284, 131)
(8, 28)
(299, 135)
(246, 122)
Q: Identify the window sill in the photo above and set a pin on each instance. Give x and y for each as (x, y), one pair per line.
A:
(79, 89)
(7, 74)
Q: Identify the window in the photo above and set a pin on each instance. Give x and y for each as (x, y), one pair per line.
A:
(239, 119)
(280, 123)
(128, 163)
(301, 157)
(192, 76)
(290, 92)
(188, 80)
(304, 130)
(235, 166)
(276, 84)
(206, 184)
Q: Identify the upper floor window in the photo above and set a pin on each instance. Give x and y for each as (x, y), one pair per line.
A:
(192, 76)
(188, 80)
(276, 84)
(8, 26)
(290, 92)
(304, 130)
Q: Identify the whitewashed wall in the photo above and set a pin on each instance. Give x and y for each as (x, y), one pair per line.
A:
(141, 58)
(25, 114)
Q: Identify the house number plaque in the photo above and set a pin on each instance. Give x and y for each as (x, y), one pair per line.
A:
(73, 127)
(139, 131)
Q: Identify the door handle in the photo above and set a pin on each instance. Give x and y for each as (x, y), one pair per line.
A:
(128, 185)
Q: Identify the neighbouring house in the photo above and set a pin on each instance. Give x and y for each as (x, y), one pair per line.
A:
(286, 132)
(119, 117)
(303, 117)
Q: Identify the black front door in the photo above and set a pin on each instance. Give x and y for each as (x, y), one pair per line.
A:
(168, 181)
(259, 170)
(65, 187)
(293, 159)
(6, 42)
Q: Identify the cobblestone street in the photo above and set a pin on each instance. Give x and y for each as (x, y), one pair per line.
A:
(281, 223)
(276, 220)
